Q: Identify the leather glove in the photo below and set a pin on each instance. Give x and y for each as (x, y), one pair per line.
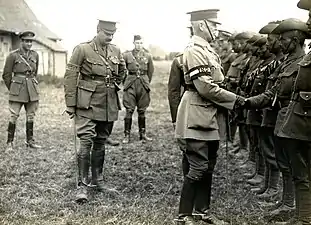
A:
(71, 111)
(239, 102)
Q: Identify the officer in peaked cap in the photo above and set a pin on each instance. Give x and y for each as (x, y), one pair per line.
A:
(296, 128)
(91, 98)
(136, 92)
(109, 27)
(293, 33)
(20, 76)
(27, 35)
(197, 125)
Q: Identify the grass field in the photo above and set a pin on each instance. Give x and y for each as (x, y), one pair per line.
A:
(37, 186)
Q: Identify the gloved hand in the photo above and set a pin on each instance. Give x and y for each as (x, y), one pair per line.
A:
(71, 111)
(240, 102)
(174, 125)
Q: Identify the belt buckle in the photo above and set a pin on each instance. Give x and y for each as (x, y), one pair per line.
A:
(138, 73)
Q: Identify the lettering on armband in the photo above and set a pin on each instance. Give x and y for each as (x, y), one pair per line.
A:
(199, 71)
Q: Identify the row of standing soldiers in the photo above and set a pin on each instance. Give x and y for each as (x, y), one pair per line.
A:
(271, 70)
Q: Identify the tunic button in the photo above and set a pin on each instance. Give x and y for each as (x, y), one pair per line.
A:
(306, 113)
(307, 96)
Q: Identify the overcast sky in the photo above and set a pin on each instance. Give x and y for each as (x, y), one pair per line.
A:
(161, 22)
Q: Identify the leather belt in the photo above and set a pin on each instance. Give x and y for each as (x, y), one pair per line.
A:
(106, 79)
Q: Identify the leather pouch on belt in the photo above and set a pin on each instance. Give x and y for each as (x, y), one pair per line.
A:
(84, 94)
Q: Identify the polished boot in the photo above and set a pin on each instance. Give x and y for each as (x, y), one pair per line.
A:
(11, 133)
(272, 190)
(97, 163)
(127, 130)
(187, 197)
(261, 189)
(83, 167)
(259, 177)
(287, 208)
(142, 129)
(203, 193)
(30, 142)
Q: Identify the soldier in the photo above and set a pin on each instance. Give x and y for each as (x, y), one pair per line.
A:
(230, 56)
(296, 131)
(137, 88)
(293, 34)
(262, 81)
(197, 120)
(250, 118)
(92, 76)
(20, 77)
(233, 76)
(176, 88)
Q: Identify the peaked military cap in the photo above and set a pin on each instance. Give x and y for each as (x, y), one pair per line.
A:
(268, 28)
(207, 14)
(27, 35)
(107, 26)
(290, 25)
(261, 41)
(254, 38)
(304, 4)
(137, 37)
(244, 35)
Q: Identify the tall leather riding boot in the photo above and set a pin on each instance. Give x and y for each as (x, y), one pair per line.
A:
(142, 129)
(272, 190)
(264, 187)
(187, 197)
(259, 177)
(11, 133)
(97, 164)
(203, 193)
(83, 167)
(30, 142)
(127, 130)
(287, 209)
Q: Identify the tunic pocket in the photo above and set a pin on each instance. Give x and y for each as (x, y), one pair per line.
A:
(202, 115)
(16, 85)
(305, 99)
(84, 94)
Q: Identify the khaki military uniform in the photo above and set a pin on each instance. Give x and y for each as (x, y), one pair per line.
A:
(296, 131)
(137, 83)
(91, 86)
(137, 89)
(279, 96)
(20, 77)
(197, 117)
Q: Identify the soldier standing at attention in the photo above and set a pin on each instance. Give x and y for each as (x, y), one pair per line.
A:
(92, 76)
(196, 121)
(20, 77)
(296, 130)
(293, 33)
(136, 93)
